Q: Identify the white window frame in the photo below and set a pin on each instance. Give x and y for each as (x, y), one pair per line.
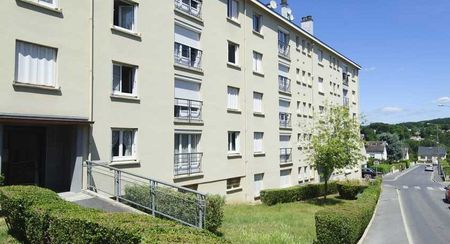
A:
(134, 77)
(260, 22)
(236, 53)
(230, 14)
(258, 142)
(320, 85)
(320, 56)
(257, 62)
(236, 143)
(229, 102)
(121, 157)
(135, 17)
(233, 184)
(256, 108)
(53, 4)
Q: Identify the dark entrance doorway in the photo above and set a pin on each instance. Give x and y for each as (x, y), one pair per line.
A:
(25, 155)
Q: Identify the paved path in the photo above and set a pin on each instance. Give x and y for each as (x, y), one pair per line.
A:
(91, 201)
(411, 210)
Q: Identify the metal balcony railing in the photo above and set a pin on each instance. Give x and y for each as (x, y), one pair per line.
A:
(187, 163)
(284, 84)
(284, 49)
(191, 7)
(345, 79)
(146, 194)
(285, 120)
(285, 155)
(188, 110)
(187, 56)
(346, 101)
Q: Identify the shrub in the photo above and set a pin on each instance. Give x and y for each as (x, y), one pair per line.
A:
(180, 204)
(296, 193)
(347, 222)
(37, 215)
(349, 189)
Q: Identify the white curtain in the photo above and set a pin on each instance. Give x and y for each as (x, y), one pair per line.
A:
(127, 143)
(233, 98)
(257, 102)
(285, 178)
(320, 85)
(258, 183)
(258, 142)
(257, 62)
(35, 64)
(117, 73)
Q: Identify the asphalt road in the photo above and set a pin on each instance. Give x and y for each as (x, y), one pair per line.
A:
(411, 210)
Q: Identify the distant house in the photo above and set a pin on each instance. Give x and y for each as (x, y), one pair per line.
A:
(416, 138)
(405, 153)
(431, 154)
(376, 150)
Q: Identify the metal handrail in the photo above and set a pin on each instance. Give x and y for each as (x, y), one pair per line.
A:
(188, 8)
(285, 155)
(190, 110)
(193, 59)
(193, 161)
(283, 49)
(121, 178)
(284, 84)
(285, 120)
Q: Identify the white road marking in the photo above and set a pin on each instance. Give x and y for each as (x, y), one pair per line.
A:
(408, 232)
(405, 187)
(404, 173)
(430, 188)
(417, 187)
(441, 188)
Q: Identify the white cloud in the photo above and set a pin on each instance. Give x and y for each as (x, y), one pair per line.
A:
(391, 110)
(370, 69)
(443, 100)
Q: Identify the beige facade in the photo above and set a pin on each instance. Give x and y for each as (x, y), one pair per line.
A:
(175, 92)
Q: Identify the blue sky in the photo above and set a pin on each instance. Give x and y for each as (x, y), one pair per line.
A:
(403, 46)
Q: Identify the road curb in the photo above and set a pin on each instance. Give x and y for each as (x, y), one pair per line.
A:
(372, 219)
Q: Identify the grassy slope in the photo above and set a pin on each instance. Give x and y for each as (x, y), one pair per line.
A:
(4, 236)
(282, 223)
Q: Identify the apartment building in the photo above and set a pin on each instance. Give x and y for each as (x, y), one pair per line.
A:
(219, 96)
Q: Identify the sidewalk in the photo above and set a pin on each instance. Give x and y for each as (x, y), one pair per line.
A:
(387, 218)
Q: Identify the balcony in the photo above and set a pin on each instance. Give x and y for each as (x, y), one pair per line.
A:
(190, 7)
(186, 110)
(285, 155)
(284, 49)
(346, 101)
(284, 84)
(187, 164)
(285, 120)
(187, 56)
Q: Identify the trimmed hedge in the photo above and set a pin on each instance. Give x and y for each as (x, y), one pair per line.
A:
(349, 189)
(37, 215)
(347, 222)
(296, 193)
(178, 204)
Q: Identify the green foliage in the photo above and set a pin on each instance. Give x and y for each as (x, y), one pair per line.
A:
(2, 180)
(336, 141)
(37, 215)
(296, 193)
(179, 204)
(346, 223)
(394, 147)
(350, 189)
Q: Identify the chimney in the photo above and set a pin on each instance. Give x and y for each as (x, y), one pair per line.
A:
(307, 24)
(286, 11)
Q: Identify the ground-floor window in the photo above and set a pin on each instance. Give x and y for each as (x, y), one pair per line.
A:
(124, 144)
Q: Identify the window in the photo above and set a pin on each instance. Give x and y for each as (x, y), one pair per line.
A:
(320, 56)
(123, 144)
(187, 156)
(258, 183)
(320, 85)
(188, 104)
(257, 62)
(35, 64)
(233, 142)
(192, 7)
(258, 142)
(321, 110)
(233, 53)
(304, 77)
(233, 98)
(124, 79)
(49, 3)
(257, 23)
(233, 9)
(304, 46)
(309, 47)
(187, 50)
(285, 178)
(257, 102)
(125, 14)
(234, 183)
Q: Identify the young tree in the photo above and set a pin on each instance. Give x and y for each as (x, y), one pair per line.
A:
(336, 143)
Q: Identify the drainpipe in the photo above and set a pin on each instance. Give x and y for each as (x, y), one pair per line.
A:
(1, 147)
(247, 154)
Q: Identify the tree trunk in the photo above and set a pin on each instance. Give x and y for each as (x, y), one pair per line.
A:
(326, 189)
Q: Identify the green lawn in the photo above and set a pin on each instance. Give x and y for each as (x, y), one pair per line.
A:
(282, 223)
(4, 236)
